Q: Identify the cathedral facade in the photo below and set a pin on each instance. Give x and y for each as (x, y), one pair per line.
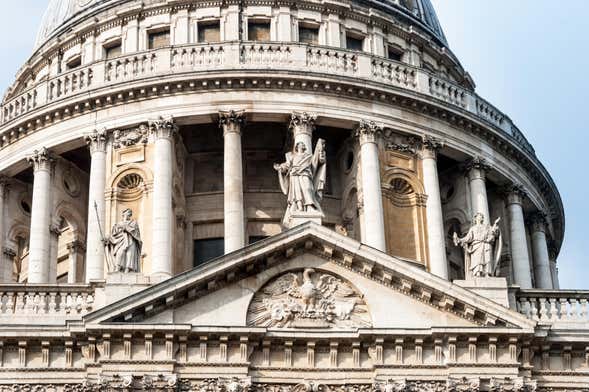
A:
(296, 196)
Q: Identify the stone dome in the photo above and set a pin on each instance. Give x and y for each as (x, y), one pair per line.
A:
(59, 12)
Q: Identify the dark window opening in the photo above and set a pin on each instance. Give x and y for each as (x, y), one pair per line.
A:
(354, 43)
(393, 54)
(258, 31)
(309, 35)
(209, 31)
(207, 249)
(159, 39)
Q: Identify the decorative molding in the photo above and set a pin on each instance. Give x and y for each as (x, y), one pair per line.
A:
(130, 137)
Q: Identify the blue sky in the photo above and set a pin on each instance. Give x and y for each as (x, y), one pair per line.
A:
(528, 57)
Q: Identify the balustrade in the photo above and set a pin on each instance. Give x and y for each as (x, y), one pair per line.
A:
(231, 55)
(394, 73)
(56, 300)
(563, 306)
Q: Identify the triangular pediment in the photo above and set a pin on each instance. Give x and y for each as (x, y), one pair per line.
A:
(263, 287)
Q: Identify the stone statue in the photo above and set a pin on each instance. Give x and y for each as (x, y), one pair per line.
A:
(302, 179)
(124, 244)
(482, 248)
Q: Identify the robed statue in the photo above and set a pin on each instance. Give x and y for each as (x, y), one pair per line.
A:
(482, 248)
(302, 179)
(124, 244)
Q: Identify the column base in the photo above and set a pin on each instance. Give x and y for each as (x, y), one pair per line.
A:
(494, 289)
(299, 218)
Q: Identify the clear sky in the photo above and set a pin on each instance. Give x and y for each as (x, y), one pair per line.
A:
(528, 57)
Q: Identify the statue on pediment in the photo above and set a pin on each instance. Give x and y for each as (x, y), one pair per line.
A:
(302, 179)
(307, 299)
(482, 248)
(124, 244)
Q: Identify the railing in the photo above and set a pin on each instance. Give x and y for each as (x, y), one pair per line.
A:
(65, 301)
(297, 57)
(554, 306)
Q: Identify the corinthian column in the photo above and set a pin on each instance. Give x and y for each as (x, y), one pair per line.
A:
(302, 126)
(40, 239)
(542, 270)
(435, 221)
(374, 235)
(234, 220)
(96, 206)
(163, 130)
(476, 172)
(520, 257)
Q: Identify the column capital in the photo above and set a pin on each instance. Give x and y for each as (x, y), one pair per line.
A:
(515, 193)
(41, 159)
(96, 140)
(538, 221)
(163, 127)
(430, 147)
(367, 132)
(231, 121)
(477, 164)
(302, 122)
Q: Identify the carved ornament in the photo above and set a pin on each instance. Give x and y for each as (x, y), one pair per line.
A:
(308, 299)
(130, 137)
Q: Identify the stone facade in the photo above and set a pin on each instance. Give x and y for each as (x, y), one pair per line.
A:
(178, 111)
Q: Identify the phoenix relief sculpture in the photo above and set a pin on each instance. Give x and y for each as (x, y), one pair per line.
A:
(308, 299)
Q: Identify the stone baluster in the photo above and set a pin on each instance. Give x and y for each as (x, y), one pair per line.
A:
(95, 252)
(40, 240)
(542, 271)
(435, 221)
(476, 173)
(163, 130)
(234, 219)
(517, 233)
(374, 233)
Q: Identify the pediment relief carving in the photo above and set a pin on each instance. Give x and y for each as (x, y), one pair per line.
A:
(308, 299)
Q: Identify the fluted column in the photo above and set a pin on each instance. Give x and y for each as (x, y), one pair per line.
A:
(520, 257)
(234, 213)
(96, 206)
(476, 172)
(435, 220)
(374, 234)
(542, 270)
(6, 266)
(40, 240)
(163, 130)
(302, 125)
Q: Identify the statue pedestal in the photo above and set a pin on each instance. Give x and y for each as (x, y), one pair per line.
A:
(494, 289)
(120, 285)
(298, 218)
